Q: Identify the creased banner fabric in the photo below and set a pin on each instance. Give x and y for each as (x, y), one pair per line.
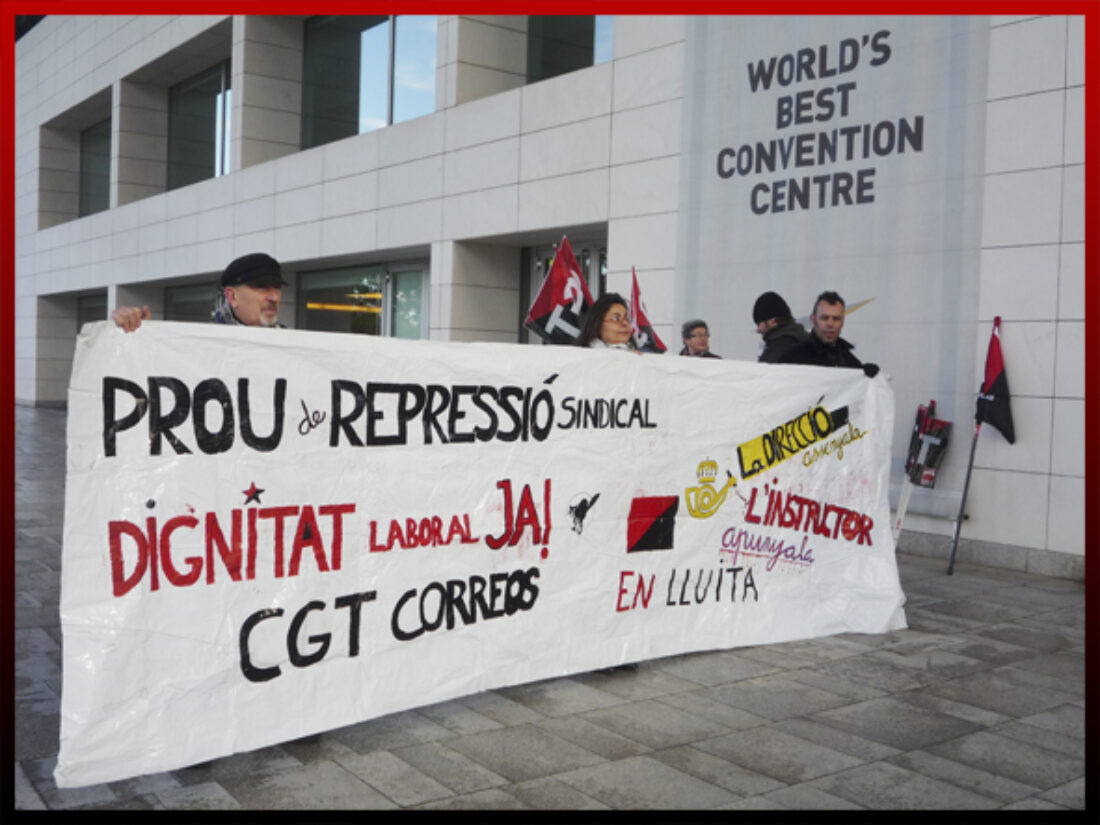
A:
(271, 533)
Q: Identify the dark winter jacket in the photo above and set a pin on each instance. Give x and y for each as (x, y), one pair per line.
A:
(780, 340)
(816, 352)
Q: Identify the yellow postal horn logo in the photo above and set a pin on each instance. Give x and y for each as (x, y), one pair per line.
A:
(703, 501)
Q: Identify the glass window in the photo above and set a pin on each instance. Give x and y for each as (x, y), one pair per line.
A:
(407, 304)
(363, 72)
(199, 127)
(413, 66)
(342, 300)
(95, 168)
(558, 43)
(191, 302)
(373, 299)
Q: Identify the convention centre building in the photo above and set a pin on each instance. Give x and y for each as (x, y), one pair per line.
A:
(414, 175)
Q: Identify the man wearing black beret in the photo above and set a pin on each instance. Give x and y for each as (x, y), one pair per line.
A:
(249, 294)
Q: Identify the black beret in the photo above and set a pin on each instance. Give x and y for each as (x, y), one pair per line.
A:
(256, 269)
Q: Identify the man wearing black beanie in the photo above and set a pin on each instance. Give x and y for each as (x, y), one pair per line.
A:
(773, 321)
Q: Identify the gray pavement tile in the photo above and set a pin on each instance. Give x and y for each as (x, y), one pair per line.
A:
(500, 708)
(977, 609)
(1034, 803)
(698, 703)
(874, 671)
(654, 724)
(144, 802)
(39, 696)
(971, 713)
(1068, 667)
(553, 794)
(829, 648)
(458, 718)
(836, 738)
(1000, 691)
(1020, 761)
(895, 723)
(205, 796)
(990, 650)
(965, 776)
(823, 678)
(775, 697)
(752, 803)
(260, 762)
(1067, 621)
(1069, 795)
(492, 799)
(38, 667)
(1033, 595)
(397, 779)
(780, 657)
(717, 771)
(37, 729)
(40, 774)
(324, 746)
(646, 682)
(882, 786)
(1026, 637)
(560, 697)
(147, 784)
(790, 759)
(33, 640)
(392, 731)
(593, 737)
(928, 619)
(1068, 720)
(643, 783)
(523, 752)
(714, 668)
(930, 665)
(808, 798)
(26, 797)
(318, 785)
(1041, 680)
(1073, 746)
(449, 767)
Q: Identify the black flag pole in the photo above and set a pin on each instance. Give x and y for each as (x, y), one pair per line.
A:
(962, 505)
(992, 407)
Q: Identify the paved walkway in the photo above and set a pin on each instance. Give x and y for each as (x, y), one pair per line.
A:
(978, 705)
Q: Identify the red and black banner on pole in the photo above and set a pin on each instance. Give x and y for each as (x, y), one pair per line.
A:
(562, 301)
(993, 409)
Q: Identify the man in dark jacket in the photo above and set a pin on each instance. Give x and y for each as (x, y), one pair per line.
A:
(824, 347)
(773, 321)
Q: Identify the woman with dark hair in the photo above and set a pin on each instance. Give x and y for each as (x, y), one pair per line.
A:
(606, 325)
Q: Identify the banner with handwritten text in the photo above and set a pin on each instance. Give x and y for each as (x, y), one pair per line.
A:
(271, 533)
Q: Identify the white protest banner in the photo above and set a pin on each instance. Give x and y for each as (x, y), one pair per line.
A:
(270, 533)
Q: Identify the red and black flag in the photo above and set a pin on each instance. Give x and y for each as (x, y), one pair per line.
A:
(644, 335)
(651, 524)
(563, 299)
(993, 406)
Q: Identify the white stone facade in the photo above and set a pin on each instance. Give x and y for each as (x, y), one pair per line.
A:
(500, 166)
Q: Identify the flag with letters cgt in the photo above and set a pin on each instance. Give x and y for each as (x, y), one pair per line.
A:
(563, 299)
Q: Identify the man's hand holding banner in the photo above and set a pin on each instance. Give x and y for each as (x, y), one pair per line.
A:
(274, 533)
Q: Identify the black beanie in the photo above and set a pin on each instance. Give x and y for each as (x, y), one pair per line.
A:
(769, 305)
